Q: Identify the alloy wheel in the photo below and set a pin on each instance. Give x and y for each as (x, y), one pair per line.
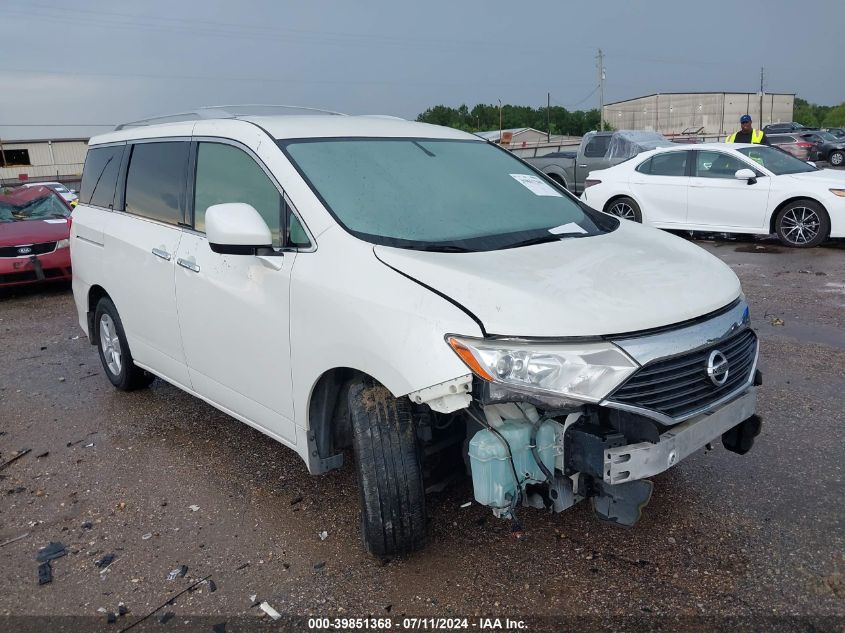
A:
(836, 158)
(110, 344)
(800, 225)
(623, 210)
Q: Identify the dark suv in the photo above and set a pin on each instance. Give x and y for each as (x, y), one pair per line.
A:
(779, 128)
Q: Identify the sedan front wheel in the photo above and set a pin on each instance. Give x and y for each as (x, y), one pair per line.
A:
(802, 224)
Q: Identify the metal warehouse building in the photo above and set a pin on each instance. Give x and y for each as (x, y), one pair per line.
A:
(42, 159)
(706, 113)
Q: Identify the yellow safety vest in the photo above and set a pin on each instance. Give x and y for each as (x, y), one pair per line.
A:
(756, 137)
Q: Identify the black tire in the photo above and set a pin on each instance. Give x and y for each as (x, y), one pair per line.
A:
(559, 180)
(120, 369)
(626, 208)
(387, 458)
(836, 158)
(802, 224)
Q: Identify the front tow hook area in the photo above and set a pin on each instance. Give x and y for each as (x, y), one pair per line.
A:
(36, 266)
(740, 438)
(621, 504)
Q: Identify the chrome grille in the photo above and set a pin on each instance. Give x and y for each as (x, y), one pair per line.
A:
(679, 386)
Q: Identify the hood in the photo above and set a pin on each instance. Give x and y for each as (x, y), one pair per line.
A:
(33, 231)
(833, 177)
(634, 278)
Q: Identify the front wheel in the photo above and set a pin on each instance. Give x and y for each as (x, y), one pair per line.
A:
(836, 158)
(626, 208)
(802, 224)
(387, 459)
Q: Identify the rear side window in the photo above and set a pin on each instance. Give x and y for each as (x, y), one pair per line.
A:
(155, 182)
(669, 164)
(99, 175)
(597, 147)
(228, 174)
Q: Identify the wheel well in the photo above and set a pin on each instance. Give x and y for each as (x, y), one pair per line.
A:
(772, 228)
(329, 424)
(557, 178)
(95, 293)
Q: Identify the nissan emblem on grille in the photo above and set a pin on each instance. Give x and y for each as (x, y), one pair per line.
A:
(24, 250)
(717, 368)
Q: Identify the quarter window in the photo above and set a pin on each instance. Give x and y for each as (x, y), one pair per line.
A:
(155, 183)
(717, 165)
(597, 147)
(99, 175)
(668, 164)
(228, 174)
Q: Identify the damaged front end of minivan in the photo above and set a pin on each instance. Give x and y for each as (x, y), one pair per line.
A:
(547, 424)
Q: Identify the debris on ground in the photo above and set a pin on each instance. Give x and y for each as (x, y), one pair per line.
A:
(111, 618)
(105, 561)
(16, 456)
(266, 608)
(467, 504)
(296, 499)
(121, 609)
(14, 540)
(240, 567)
(323, 535)
(50, 551)
(45, 573)
(178, 573)
(219, 628)
(194, 508)
(320, 565)
(87, 525)
(211, 586)
(147, 536)
(168, 615)
(44, 454)
(169, 601)
(777, 321)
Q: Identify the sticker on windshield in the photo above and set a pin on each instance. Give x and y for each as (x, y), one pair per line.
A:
(536, 185)
(56, 221)
(567, 229)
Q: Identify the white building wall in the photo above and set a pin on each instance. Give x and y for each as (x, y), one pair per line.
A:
(48, 159)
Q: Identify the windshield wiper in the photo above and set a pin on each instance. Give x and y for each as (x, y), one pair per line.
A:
(540, 239)
(445, 248)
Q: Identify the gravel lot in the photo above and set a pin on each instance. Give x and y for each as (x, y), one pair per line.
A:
(160, 480)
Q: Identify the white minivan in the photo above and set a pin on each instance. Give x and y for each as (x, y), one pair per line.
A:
(416, 294)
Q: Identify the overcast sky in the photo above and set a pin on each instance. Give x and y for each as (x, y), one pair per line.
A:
(104, 62)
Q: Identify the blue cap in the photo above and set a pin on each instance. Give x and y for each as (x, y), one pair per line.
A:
(745, 118)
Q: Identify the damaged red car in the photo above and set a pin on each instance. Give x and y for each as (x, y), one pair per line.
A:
(34, 236)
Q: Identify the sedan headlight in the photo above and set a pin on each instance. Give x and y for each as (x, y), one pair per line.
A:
(65, 243)
(838, 192)
(583, 371)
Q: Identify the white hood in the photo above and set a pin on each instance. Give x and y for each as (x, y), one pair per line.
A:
(832, 177)
(631, 279)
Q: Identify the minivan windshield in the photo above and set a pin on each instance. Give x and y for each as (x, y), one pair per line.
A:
(438, 194)
(776, 161)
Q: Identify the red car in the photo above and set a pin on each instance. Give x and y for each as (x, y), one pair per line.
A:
(34, 236)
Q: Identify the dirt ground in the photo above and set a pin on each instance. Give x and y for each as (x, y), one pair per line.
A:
(159, 479)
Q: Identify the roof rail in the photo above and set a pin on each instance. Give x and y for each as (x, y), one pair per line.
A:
(219, 112)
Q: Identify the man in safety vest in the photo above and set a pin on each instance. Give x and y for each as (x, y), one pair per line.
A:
(747, 133)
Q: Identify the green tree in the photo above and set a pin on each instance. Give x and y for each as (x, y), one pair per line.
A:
(835, 117)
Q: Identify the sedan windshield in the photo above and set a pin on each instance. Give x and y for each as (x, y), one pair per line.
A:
(31, 206)
(776, 161)
(437, 194)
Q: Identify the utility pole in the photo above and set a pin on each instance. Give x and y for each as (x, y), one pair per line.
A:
(761, 97)
(548, 117)
(500, 121)
(601, 89)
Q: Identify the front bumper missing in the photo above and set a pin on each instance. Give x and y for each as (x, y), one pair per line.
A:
(638, 461)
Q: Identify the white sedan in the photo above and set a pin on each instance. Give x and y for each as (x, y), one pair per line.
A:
(731, 188)
(68, 194)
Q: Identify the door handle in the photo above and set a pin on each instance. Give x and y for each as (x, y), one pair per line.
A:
(583, 165)
(160, 253)
(184, 263)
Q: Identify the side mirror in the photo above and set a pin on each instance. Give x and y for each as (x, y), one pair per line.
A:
(236, 228)
(746, 174)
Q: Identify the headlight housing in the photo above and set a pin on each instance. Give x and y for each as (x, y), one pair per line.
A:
(65, 243)
(586, 372)
(838, 192)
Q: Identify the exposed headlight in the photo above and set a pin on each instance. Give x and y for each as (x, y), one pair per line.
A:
(838, 192)
(583, 371)
(65, 243)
